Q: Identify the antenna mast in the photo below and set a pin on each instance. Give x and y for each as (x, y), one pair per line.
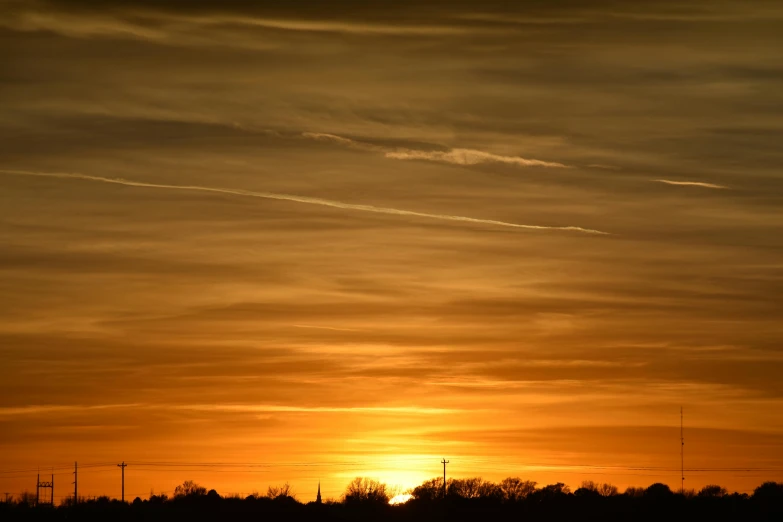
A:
(682, 456)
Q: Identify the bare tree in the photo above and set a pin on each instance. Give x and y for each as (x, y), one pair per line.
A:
(514, 489)
(553, 490)
(26, 498)
(284, 491)
(189, 488)
(363, 489)
(632, 491)
(475, 487)
(607, 490)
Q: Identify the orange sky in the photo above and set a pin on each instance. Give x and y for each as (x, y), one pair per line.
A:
(248, 244)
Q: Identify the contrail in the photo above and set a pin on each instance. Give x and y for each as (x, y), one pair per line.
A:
(454, 156)
(690, 183)
(299, 199)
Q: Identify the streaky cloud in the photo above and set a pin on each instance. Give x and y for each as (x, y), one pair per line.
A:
(469, 157)
(690, 183)
(46, 409)
(301, 199)
(603, 166)
(330, 328)
(345, 142)
(236, 408)
(274, 408)
(453, 156)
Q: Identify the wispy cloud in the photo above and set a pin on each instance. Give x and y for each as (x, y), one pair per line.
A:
(332, 328)
(172, 28)
(454, 156)
(60, 408)
(347, 27)
(469, 157)
(302, 199)
(603, 166)
(690, 183)
(273, 408)
(48, 409)
(345, 142)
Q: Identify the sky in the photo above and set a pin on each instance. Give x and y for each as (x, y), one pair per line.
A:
(246, 243)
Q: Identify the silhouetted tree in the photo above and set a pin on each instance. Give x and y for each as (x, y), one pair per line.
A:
(769, 491)
(588, 489)
(26, 499)
(712, 491)
(281, 492)
(658, 491)
(607, 490)
(633, 492)
(471, 499)
(158, 499)
(593, 488)
(553, 490)
(514, 489)
(475, 487)
(429, 490)
(189, 489)
(366, 490)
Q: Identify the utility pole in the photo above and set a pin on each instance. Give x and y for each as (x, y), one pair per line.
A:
(444, 462)
(123, 466)
(44, 485)
(682, 456)
(7, 495)
(75, 483)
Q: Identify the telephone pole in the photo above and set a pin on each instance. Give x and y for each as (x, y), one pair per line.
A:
(444, 462)
(75, 483)
(123, 466)
(682, 456)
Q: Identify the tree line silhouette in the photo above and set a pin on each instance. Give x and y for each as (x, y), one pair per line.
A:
(465, 499)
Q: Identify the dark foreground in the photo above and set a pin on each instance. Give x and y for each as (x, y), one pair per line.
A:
(558, 508)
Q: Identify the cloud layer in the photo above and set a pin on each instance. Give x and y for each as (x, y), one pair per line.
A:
(306, 234)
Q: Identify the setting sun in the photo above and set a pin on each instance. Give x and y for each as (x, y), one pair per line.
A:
(400, 499)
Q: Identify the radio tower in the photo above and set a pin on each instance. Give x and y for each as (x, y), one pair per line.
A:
(682, 456)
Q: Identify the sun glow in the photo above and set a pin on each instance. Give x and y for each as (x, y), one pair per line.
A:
(400, 499)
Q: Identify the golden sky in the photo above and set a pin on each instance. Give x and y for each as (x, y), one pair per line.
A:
(354, 238)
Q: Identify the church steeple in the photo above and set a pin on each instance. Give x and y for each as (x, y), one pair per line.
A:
(318, 497)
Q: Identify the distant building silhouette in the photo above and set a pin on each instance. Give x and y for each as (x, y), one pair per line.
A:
(318, 497)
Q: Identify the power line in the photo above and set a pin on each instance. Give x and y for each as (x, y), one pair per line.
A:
(371, 462)
(56, 468)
